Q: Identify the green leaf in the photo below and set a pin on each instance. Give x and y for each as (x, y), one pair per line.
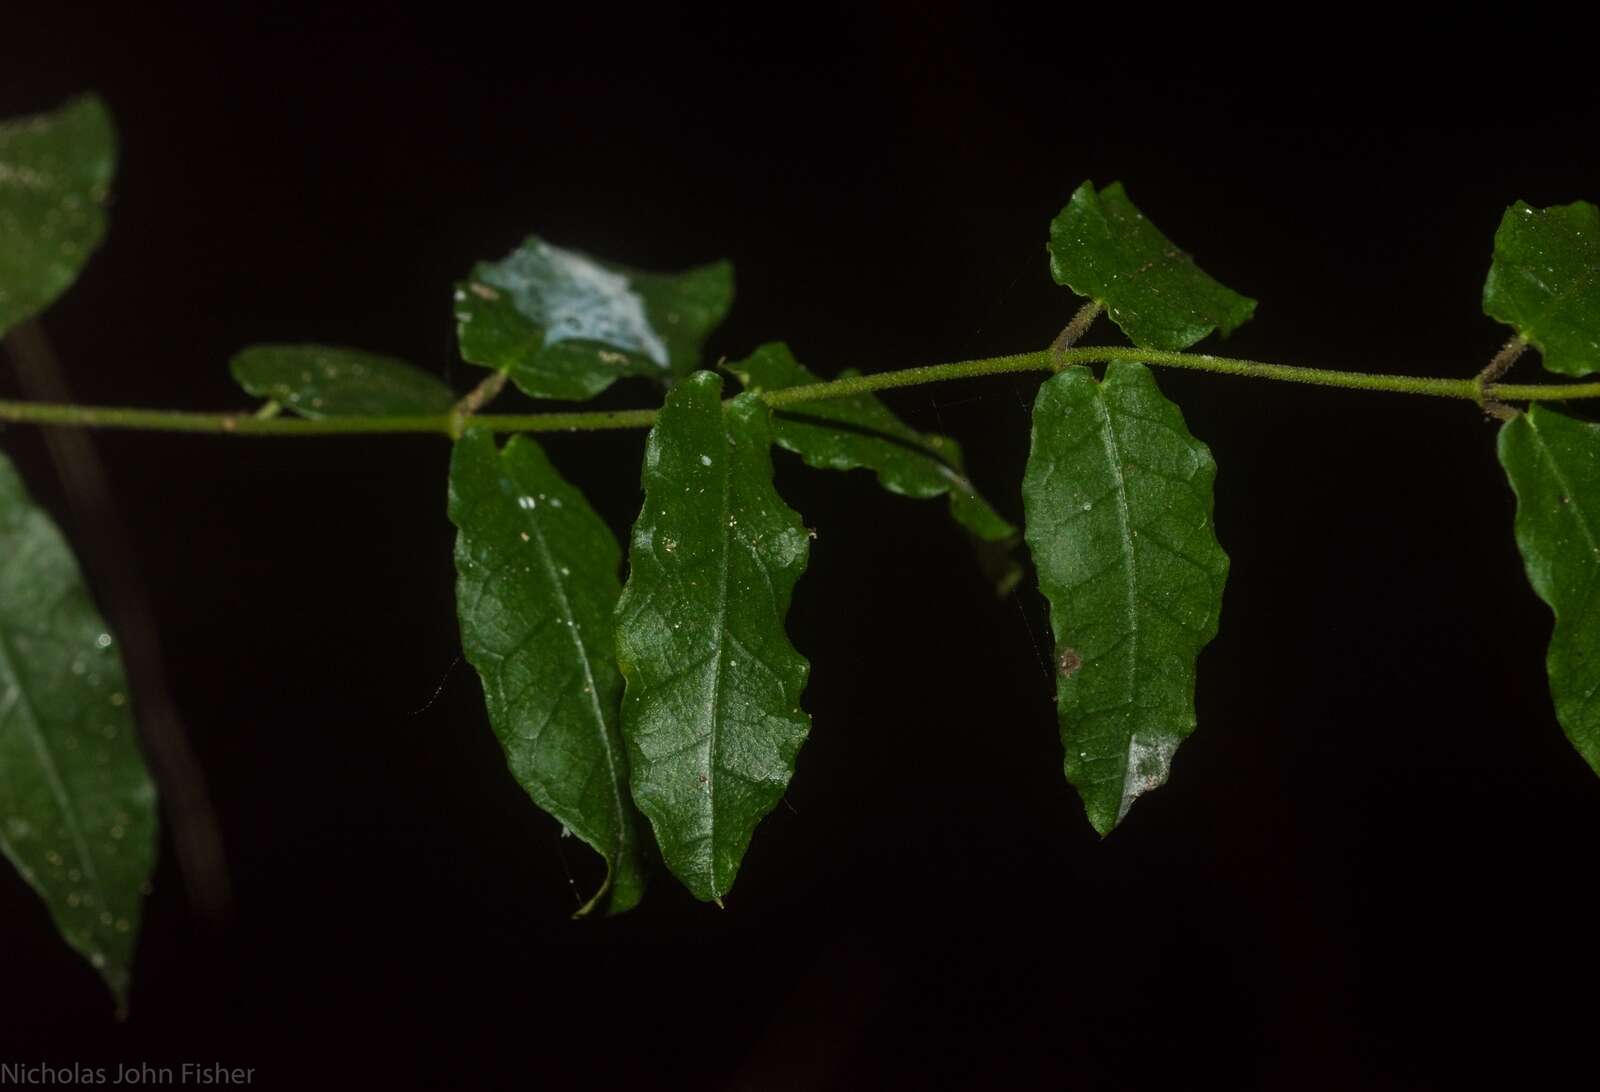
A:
(55, 173)
(1544, 282)
(1102, 247)
(861, 432)
(712, 708)
(563, 325)
(324, 381)
(536, 591)
(1553, 464)
(1117, 497)
(77, 808)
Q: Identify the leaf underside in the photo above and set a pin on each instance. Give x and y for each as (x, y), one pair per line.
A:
(1118, 500)
(1553, 464)
(1544, 282)
(712, 710)
(77, 807)
(327, 381)
(862, 433)
(1102, 247)
(55, 173)
(536, 591)
(563, 325)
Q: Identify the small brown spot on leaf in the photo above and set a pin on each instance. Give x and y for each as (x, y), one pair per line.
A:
(483, 291)
(1068, 662)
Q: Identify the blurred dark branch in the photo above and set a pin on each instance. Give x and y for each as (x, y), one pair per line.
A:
(104, 546)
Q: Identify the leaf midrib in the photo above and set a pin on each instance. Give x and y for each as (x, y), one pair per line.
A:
(1112, 445)
(553, 571)
(1588, 533)
(1555, 299)
(58, 788)
(721, 632)
(1561, 480)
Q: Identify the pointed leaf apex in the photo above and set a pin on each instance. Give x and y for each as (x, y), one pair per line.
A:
(1118, 497)
(536, 590)
(711, 712)
(87, 843)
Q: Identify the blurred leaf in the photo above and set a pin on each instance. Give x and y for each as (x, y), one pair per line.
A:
(1102, 247)
(325, 381)
(1118, 502)
(712, 707)
(563, 325)
(55, 174)
(1553, 463)
(861, 432)
(536, 593)
(1544, 282)
(77, 809)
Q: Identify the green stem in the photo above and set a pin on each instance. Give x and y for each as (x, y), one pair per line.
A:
(244, 424)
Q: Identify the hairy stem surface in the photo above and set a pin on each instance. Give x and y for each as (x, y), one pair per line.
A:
(244, 423)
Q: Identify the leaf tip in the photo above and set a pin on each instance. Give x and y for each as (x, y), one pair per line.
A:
(595, 900)
(1148, 763)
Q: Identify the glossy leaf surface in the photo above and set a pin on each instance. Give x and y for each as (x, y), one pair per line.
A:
(1104, 248)
(1118, 501)
(712, 707)
(55, 174)
(861, 432)
(1553, 463)
(563, 325)
(77, 808)
(326, 381)
(1544, 282)
(536, 590)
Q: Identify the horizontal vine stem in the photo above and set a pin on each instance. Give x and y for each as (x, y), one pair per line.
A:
(245, 423)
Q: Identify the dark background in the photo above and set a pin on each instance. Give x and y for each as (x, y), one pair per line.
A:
(1372, 864)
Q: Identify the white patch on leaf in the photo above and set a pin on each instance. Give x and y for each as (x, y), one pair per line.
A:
(574, 298)
(1149, 762)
